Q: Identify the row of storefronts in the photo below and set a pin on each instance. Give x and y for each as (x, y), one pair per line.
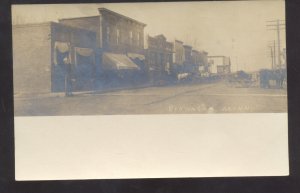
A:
(103, 51)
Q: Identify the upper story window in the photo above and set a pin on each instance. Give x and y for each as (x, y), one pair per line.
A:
(107, 33)
(118, 36)
(138, 39)
(130, 37)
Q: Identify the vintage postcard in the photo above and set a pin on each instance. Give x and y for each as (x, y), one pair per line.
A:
(130, 90)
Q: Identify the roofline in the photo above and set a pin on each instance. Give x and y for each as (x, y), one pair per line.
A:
(71, 18)
(73, 28)
(32, 24)
(188, 46)
(217, 56)
(159, 35)
(120, 15)
(179, 41)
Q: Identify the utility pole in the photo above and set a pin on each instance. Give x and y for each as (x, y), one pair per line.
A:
(272, 57)
(276, 25)
(278, 40)
(272, 46)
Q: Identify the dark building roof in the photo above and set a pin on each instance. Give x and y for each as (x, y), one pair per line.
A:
(187, 46)
(179, 41)
(122, 16)
(107, 11)
(216, 56)
(78, 17)
(160, 36)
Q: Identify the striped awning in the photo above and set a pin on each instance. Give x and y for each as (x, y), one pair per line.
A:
(112, 61)
(136, 56)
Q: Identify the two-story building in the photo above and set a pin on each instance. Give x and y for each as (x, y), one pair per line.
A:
(120, 42)
(159, 57)
(178, 57)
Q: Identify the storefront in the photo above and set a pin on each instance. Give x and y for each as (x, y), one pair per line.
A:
(74, 47)
(119, 70)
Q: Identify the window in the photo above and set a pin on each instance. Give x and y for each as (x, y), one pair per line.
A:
(130, 37)
(118, 36)
(107, 34)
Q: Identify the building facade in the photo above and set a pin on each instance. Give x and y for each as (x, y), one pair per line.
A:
(187, 54)
(120, 43)
(116, 33)
(178, 57)
(196, 61)
(219, 65)
(159, 56)
(38, 54)
(203, 68)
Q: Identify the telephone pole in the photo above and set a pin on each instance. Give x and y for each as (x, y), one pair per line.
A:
(277, 25)
(272, 57)
(272, 46)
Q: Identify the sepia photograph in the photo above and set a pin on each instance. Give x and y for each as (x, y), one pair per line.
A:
(150, 90)
(149, 58)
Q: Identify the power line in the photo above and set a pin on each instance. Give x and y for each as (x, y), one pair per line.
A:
(278, 28)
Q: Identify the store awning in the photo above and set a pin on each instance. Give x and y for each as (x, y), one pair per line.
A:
(136, 56)
(62, 48)
(118, 62)
(87, 52)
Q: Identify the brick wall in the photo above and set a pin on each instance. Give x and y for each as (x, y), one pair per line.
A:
(32, 58)
(159, 53)
(88, 23)
(178, 53)
(121, 34)
(115, 33)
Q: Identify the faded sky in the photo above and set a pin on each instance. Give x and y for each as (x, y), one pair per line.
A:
(233, 28)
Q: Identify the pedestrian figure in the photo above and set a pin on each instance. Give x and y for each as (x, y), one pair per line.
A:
(68, 77)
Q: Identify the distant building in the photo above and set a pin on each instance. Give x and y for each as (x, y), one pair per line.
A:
(196, 61)
(187, 53)
(38, 54)
(159, 56)
(223, 69)
(203, 68)
(188, 62)
(219, 65)
(178, 57)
